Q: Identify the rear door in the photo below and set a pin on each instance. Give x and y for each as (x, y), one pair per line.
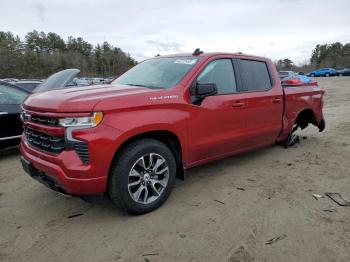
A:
(11, 99)
(263, 100)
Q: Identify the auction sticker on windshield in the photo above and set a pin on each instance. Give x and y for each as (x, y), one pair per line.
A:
(185, 61)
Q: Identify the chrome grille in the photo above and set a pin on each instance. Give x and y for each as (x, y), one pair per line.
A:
(44, 141)
(50, 121)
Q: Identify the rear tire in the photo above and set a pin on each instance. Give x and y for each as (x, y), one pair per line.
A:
(327, 75)
(137, 184)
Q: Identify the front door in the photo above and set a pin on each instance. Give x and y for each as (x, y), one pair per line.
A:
(217, 124)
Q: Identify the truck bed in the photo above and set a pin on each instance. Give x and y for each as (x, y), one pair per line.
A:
(301, 100)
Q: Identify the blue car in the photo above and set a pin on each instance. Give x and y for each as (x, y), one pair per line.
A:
(323, 72)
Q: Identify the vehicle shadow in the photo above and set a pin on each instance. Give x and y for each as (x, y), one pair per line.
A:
(213, 170)
(199, 174)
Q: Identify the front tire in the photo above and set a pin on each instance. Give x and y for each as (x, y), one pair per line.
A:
(142, 176)
(327, 75)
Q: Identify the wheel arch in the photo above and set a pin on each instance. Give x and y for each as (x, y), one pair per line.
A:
(308, 116)
(169, 138)
(303, 118)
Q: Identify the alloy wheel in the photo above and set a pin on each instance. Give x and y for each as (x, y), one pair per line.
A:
(148, 178)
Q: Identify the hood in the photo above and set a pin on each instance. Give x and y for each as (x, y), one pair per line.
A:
(78, 99)
(58, 80)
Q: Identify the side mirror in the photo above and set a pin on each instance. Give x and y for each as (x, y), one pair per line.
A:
(205, 89)
(199, 91)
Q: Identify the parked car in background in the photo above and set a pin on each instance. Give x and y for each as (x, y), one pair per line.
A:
(97, 80)
(59, 80)
(87, 80)
(343, 71)
(70, 80)
(323, 72)
(79, 82)
(287, 74)
(293, 75)
(11, 98)
(29, 85)
(108, 80)
(301, 73)
(9, 80)
(338, 70)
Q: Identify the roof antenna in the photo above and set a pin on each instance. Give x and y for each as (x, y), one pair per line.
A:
(197, 52)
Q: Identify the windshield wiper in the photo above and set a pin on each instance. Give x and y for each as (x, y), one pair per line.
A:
(151, 87)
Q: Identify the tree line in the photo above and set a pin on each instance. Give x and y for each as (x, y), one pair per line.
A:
(40, 54)
(327, 55)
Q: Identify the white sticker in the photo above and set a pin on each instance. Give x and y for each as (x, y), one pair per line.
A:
(185, 61)
(164, 97)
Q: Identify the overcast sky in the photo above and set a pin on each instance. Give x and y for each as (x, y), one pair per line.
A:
(273, 28)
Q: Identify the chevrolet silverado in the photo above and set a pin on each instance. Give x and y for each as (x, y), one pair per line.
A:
(132, 138)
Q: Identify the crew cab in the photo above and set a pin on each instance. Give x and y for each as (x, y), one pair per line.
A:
(131, 139)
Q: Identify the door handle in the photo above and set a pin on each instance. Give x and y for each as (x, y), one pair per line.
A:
(238, 104)
(277, 100)
(3, 113)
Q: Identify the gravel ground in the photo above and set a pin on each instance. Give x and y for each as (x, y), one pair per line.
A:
(207, 217)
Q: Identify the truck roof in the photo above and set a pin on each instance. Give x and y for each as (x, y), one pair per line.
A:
(238, 54)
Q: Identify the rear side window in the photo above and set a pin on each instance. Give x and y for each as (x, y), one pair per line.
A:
(221, 73)
(255, 75)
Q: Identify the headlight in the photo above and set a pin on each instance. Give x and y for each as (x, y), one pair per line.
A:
(83, 122)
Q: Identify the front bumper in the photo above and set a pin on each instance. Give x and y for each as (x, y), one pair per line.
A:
(55, 178)
(67, 171)
(42, 177)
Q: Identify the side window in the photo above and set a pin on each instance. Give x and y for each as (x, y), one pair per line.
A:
(221, 73)
(255, 75)
(11, 96)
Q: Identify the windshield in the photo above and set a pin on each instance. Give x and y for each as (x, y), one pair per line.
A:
(160, 72)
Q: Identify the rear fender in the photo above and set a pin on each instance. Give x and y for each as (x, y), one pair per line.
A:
(302, 119)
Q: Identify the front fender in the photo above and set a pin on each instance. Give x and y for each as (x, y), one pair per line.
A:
(137, 122)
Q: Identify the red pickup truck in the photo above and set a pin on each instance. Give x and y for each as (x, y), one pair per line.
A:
(130, 139)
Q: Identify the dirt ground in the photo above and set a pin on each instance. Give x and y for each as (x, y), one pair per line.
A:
(206, 217)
